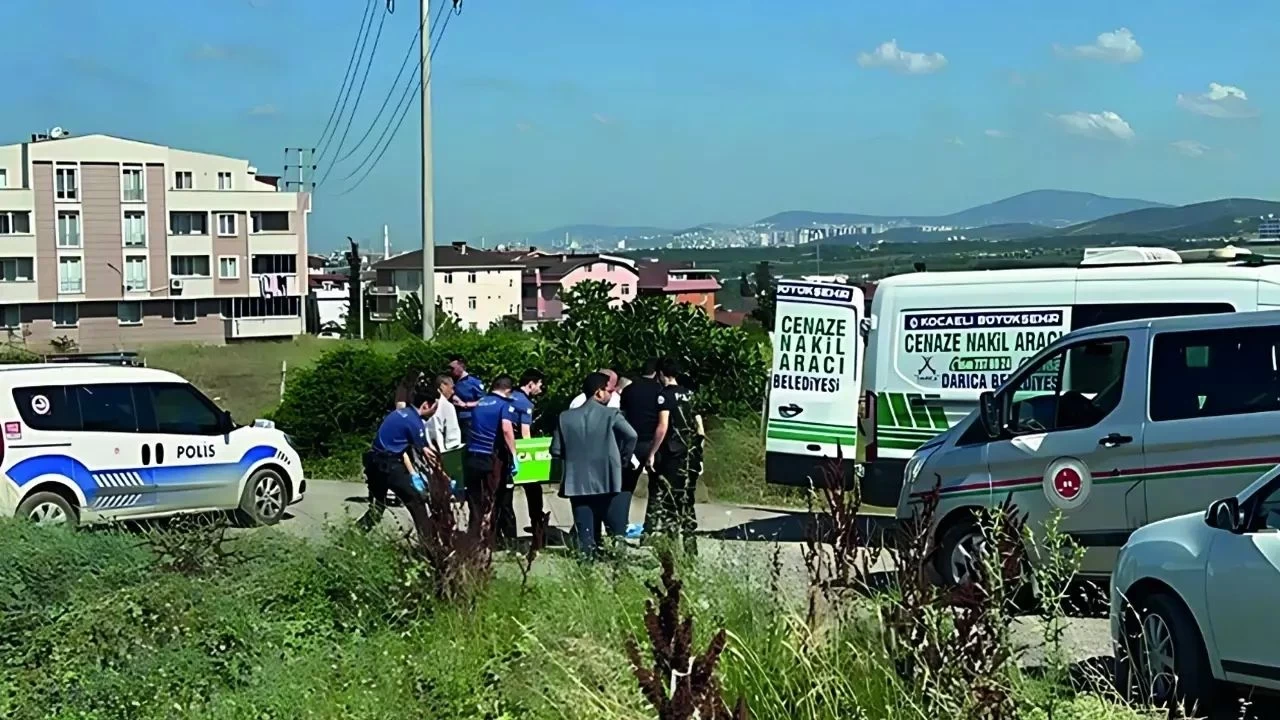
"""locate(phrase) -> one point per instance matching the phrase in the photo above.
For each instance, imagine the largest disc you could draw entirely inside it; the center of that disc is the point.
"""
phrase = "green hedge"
(334, 407)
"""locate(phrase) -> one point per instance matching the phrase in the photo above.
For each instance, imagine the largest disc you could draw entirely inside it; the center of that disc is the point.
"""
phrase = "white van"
(816, 381)
(1113, 426)
(84, 443)
(939, 339)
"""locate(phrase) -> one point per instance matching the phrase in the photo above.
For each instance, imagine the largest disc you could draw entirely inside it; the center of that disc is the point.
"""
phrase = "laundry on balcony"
(273, 285)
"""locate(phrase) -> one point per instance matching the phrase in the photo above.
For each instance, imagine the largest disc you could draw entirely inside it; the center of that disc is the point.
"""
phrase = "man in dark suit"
(593, 442)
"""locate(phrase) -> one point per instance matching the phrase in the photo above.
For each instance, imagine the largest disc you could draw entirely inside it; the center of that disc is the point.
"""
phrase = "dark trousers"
(483, 490)
(533, 498)
(672, 495)
(590, 512)
(385, 472)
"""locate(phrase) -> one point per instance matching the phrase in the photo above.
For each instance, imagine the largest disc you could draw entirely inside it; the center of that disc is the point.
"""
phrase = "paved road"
(731, 531)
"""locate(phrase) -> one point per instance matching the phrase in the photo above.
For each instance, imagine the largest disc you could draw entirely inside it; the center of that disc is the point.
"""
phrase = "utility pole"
(303, 167)
(428, 203)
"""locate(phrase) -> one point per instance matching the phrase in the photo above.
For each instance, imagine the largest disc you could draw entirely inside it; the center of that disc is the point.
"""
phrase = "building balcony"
(262, 327)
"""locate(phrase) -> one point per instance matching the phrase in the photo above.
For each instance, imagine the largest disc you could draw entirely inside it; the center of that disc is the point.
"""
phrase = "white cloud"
(1105, 125)
(602, 118)
(524, 127)
(1222, 101)
(889, 55)
(997, 134)
(267, 109)
(1118, 46)
(1190, 148)
(955, 141)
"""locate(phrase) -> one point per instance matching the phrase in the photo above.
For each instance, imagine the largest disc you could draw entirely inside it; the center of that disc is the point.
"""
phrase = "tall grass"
(95, 625)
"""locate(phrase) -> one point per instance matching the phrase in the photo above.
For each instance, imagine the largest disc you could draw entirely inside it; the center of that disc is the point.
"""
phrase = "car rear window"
(51, 407)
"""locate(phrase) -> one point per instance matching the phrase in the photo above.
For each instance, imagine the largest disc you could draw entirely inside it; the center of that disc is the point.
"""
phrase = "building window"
(135, 273)
(226, 225)
(471, 303)
(129, 313)
(188, 223)
(224, 181)
(135, 228)
(471, 277)
(71, 274)
(67, 183)
(473, 326)
(184, 311)
(66, 315)
(182, 180)
(277, 221)
(258, 307)
(68, 229)
(228, 267)
(189, 266)
(448, 303)
(4, 178)
(17, 269)
(448, 278)
(511, 282)
(511, 309)
(226, 309)
(268, 264)
(626, 289)
(10, 317)
(15, 223)
(132, 185)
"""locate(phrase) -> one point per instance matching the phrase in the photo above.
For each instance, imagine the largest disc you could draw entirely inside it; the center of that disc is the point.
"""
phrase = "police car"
(86, 443)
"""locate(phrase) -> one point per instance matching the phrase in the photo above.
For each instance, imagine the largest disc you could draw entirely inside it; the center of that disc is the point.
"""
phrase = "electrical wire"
(360, 93)
(348, 75)
(413, 45)
(412, 88)
(342, 108)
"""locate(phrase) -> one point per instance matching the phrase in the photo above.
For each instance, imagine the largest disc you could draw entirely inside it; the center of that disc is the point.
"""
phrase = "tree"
(354, 290)
(765, 301)
(744, 286)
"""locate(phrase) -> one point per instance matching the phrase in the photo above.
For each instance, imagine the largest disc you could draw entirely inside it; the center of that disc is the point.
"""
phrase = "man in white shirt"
(443, 431)
(615, 399)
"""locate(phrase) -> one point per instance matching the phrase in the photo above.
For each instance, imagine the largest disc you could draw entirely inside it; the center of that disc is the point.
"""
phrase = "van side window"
(178, 409)
(107, 408)
(1075, 388)
(1212, 373)
(1083, 316)
(48, 408)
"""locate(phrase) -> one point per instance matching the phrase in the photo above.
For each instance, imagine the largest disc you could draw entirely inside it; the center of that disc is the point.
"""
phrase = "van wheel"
(957, 551)
(47, 508)
(1162, 659)
(265, 497)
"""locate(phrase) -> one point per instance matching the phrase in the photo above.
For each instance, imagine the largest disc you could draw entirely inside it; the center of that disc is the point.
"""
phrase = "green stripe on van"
(901, 410)
(810, 437)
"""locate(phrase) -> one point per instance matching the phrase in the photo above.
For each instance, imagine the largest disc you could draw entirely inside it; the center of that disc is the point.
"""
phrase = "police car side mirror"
(989, 415)
(1224, 515)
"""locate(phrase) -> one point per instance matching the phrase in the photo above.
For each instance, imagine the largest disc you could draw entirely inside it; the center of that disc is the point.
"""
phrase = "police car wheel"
(265, 498)
(958, 550)
(46, 508)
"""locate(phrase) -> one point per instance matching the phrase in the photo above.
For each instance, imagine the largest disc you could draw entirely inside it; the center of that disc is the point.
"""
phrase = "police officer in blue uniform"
(391, 463)
(522, 399)
(467, 392)
(490, 462)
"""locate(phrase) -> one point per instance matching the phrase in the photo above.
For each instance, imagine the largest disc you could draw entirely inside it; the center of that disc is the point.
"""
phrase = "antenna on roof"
(58, 132)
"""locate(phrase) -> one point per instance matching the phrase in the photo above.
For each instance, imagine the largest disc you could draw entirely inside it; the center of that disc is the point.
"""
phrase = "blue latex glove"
(515, 466)
(635, 530)
(418, 483)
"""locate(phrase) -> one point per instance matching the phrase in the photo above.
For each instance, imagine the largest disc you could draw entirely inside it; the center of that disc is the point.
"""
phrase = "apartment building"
(111, 243)
(480, 288)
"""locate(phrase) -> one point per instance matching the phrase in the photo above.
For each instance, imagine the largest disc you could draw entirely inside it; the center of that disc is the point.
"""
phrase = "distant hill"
(1206, 218)
(1010, 231)
(1049, 208)
(587, 234)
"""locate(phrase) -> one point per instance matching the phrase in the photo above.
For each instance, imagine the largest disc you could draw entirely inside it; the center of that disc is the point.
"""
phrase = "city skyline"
(672, 115)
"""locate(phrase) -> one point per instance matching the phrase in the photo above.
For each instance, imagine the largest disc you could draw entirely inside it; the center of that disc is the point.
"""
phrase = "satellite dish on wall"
(58, 133)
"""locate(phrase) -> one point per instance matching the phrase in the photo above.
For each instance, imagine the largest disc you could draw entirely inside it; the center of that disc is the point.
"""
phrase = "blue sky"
(673, 113)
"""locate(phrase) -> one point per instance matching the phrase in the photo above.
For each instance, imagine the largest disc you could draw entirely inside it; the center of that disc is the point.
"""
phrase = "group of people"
(614, 432)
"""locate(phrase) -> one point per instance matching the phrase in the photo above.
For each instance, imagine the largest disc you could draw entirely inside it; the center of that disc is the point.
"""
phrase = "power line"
(412, 88)
(365, 27)
(348, 75)
(413, 45)
(360, 93)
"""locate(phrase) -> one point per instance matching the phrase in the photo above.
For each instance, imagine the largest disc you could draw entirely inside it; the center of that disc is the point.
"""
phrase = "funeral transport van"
(812, 398)
(1109, 428)
(937, 340)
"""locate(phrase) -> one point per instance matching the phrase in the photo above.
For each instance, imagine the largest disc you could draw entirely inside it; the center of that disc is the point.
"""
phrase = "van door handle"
(1114, 440)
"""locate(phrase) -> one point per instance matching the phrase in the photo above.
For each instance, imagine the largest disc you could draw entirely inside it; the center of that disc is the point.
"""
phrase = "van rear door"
(815, 384)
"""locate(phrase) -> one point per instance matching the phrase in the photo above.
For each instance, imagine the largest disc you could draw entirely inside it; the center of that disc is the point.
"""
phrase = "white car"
(1192, 601)
(86, 442)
